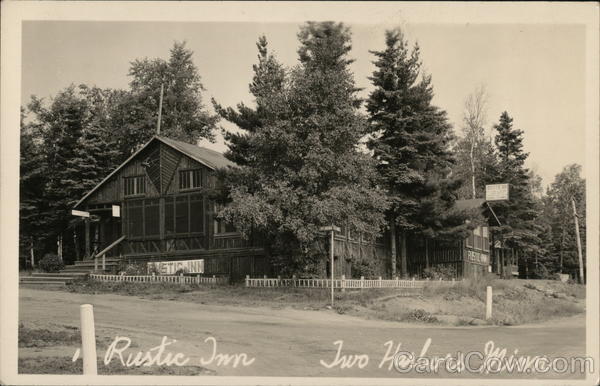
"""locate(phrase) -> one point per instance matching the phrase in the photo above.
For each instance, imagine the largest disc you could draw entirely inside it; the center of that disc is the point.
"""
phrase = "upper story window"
(134, 185)
(190, 179)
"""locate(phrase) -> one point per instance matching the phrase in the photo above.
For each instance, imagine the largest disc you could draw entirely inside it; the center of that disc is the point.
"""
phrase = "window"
(190, 179)
(169, 216)
(477, 234)
(184, 214)
(486, 239)
(221, 226)
(135, 218)
(469, 240)
(134, 185)
(196, 213)
(151, 217)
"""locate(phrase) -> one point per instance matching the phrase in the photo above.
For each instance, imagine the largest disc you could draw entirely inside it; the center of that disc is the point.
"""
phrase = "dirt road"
(286, 342)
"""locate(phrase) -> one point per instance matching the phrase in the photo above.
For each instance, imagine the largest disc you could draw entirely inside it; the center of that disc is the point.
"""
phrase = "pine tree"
(302, 169)
(267, 84)
(70, 148)
(411, 143)
(517, 215)
(32, 185)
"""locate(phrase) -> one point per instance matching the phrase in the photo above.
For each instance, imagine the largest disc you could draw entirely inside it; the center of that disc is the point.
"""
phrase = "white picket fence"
(160, 279)
(342, 283)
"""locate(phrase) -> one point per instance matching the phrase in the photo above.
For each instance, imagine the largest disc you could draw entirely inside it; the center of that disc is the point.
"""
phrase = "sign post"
(333, 229)
(497, 192)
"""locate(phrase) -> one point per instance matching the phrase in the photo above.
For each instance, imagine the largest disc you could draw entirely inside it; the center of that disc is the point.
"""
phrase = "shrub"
(420, 316)
(363, 267)
(440, 272)
(51, 263)
(129, 268)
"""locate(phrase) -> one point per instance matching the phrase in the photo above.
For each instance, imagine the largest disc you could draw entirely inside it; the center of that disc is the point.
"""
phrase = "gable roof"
(209, 158)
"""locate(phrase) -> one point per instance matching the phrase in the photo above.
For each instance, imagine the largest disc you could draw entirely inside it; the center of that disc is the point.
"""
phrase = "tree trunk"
(403, 254)
(426, 253)
(393, 246)
(472, 159)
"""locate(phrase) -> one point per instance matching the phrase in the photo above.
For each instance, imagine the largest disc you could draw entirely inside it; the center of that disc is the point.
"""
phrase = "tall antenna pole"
(159, 109)
(579, 254)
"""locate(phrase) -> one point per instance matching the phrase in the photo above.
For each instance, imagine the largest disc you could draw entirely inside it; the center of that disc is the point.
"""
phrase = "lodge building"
(157, 206)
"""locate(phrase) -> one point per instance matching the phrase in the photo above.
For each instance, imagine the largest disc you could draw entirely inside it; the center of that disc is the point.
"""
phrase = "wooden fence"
(161, 279)
(342, 283)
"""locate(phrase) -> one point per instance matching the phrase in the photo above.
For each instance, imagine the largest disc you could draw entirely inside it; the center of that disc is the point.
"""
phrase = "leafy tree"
(558, 213)
(300, 167)
(183, 115)
(518, 215)
(411, 144)
(475, 153)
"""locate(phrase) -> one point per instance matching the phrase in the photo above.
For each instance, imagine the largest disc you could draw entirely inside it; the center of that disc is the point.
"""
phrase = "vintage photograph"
(325, 197)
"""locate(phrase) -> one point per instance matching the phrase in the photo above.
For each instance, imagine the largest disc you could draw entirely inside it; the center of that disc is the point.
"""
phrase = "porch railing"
(103, 252)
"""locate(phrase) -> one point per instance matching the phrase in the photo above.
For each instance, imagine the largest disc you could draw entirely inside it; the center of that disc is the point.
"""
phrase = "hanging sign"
(80, 213)
(496, 192)
(116, 211)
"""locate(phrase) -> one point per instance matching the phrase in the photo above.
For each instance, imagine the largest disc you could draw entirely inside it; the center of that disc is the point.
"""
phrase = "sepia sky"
(535, 72)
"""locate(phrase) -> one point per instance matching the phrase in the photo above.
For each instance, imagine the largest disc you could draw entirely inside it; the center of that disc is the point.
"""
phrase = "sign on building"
(171, 267)
(116, 211)
(496, 192)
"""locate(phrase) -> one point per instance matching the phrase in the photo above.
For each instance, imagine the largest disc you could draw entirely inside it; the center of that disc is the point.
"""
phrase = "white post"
(104, 263)
(362, 282)
(488, 303)
(32, 257)
(247, 280)
(278, 280)
(88, 339)
(379, 282)
(343, 283)
(95, 264)
(332, 267)
(294, 279)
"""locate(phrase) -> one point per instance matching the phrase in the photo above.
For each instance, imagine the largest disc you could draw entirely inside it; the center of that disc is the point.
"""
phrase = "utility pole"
(581, 278)
(159, 109)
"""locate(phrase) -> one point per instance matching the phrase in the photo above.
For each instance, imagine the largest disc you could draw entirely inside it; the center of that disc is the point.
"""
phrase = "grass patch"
(41, 337)
(65, 365)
